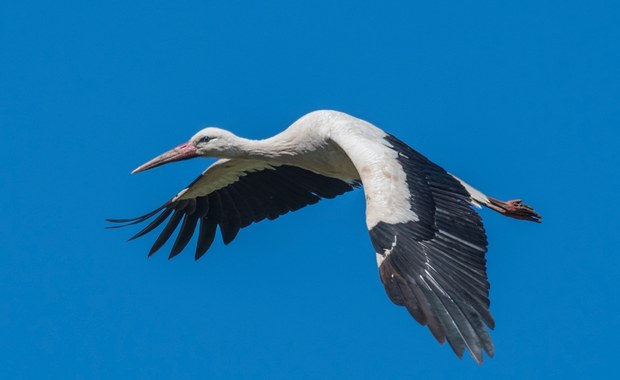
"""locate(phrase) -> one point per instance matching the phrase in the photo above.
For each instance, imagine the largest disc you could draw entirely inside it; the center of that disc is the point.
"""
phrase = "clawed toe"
(515, 209)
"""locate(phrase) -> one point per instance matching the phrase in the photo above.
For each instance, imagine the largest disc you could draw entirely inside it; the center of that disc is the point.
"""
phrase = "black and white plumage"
(430, 244)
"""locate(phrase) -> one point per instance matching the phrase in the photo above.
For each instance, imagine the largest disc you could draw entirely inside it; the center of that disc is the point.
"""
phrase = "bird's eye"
(205, 139)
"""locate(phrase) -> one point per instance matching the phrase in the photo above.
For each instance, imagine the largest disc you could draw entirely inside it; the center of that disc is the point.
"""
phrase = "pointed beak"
(180, 153)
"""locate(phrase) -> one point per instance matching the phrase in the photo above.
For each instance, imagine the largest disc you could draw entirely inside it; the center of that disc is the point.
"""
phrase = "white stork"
(430, 244)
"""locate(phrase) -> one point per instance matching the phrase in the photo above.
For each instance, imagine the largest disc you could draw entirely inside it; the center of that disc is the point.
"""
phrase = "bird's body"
(429, 242)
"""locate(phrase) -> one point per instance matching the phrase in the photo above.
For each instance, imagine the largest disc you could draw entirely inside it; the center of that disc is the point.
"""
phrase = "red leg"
(515, 209)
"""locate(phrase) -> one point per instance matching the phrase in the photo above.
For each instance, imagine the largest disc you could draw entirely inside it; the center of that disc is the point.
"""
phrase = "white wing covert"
(430, 243)
(233, 194)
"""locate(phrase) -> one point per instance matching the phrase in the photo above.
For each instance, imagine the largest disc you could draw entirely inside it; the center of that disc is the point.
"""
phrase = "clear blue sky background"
(521, 99)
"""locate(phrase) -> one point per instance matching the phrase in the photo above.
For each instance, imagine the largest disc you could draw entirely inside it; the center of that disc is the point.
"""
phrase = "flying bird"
(430, 243)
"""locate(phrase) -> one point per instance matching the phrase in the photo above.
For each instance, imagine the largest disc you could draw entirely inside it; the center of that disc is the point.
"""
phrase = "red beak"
(180, 153)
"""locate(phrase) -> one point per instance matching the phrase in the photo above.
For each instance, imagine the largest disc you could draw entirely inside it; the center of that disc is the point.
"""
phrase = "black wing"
(436, 266)
(233, 194)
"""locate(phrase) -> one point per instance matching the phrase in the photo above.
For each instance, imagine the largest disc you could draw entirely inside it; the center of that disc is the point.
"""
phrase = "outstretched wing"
(430, 243)
(233, 194)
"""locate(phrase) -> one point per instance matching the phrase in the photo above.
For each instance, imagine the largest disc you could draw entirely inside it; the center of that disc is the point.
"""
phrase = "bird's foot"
(515, 209)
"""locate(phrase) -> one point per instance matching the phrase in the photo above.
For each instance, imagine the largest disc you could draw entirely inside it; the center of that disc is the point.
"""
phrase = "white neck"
(310, 133)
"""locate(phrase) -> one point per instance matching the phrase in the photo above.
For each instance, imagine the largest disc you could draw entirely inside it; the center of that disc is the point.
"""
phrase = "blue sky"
(521, 99)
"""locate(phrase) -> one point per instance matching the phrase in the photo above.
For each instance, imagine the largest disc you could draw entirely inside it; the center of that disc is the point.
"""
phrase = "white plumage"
(430, 244)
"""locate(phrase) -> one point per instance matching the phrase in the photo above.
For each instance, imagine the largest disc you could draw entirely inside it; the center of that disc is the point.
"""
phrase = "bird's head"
(209, 142)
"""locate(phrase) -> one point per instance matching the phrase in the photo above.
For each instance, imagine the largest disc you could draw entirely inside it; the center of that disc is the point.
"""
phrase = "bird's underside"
(430, 252)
